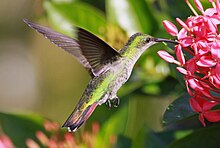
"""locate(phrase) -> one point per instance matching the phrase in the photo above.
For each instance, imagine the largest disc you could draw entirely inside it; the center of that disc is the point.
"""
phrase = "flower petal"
(195, 105)
(5, 142)
(170, 28)
(42, 138)
(166, 56)
(206, 61)
(32, 144)
(215, 50)
(218, 6)
(181, 23)
(201, 119)
(191, 93)
(187, 41)
(191, 65)
(211, 26)
(199, 5)
(193, 83)
(213, 116)
(182, 34)
(210, 11)
(217, 70)
(181, 70)
(208, 105)
(179, 54)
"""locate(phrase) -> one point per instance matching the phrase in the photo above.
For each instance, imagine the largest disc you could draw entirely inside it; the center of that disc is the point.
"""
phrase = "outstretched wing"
(97, 52)
(92, 52)
(70, 45)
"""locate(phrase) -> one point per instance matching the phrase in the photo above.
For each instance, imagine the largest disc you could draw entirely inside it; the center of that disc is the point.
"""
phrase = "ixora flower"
(56, 138)
(5, 142)
(199, 37)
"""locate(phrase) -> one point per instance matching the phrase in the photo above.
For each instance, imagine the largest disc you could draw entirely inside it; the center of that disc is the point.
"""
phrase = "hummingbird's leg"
(108, 103)
(116, 101)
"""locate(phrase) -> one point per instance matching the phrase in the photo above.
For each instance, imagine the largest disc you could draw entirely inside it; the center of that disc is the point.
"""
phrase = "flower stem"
(213, 4)
(191, 7)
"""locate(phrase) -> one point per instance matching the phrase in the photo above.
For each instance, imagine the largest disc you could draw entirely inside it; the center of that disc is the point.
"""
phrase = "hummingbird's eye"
(147, 40)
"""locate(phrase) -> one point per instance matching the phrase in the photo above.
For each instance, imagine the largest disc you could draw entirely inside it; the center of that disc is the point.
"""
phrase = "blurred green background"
(36, 76)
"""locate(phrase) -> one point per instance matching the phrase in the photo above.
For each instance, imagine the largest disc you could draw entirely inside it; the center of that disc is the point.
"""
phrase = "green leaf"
(178, 76)
(147, 138)
(133, 16)
(100, 4)
(129, 87)
(123, 141)
(64, 16)
(144, 15)
(177, 111)
(202, 138)
(119, 12)
(19, 127)
(116, 125)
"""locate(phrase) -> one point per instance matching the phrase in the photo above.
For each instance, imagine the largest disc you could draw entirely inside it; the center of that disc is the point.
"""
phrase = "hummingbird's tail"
(79, 116)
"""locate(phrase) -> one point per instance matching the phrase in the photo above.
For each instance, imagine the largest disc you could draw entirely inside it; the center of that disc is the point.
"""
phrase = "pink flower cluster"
(5, 142)
(58, 139)
(199, 39)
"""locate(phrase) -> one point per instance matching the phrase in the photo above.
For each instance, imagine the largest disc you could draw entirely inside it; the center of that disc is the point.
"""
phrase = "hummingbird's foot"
(116, 101)
(108, 103)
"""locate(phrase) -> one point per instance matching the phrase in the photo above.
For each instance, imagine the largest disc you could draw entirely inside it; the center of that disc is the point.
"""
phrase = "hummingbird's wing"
(92, 52)
(98, 53)
(70, 45)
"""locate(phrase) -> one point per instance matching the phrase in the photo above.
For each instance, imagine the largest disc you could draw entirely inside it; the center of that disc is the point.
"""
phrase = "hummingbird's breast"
(122, 72)
(106, 85)
(98, 88)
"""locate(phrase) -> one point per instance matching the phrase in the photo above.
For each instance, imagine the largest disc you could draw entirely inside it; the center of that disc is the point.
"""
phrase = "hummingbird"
(109, 68)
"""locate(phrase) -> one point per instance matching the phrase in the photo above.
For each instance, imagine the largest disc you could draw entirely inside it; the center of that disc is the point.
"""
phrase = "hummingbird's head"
(144, 41)
(138, 43)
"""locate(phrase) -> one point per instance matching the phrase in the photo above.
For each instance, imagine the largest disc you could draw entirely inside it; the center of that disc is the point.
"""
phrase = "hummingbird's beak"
(165, 40)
